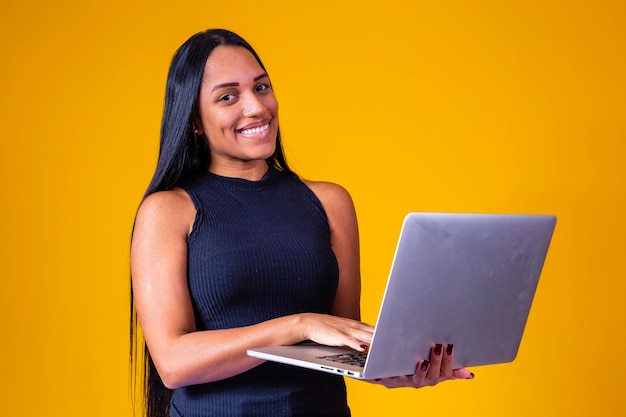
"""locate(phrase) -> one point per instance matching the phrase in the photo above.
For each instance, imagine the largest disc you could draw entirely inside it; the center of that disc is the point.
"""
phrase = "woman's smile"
(255, 130)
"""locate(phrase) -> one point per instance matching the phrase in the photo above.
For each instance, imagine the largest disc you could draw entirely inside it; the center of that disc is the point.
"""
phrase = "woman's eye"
(227, 97)
(262, 87)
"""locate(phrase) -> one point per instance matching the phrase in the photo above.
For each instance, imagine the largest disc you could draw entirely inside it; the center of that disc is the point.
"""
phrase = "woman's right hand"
(336, 331)
(429, 372)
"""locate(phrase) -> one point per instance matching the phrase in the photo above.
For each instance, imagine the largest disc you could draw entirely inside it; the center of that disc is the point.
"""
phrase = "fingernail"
(425, 365)
(471, 376)
(437, 349)
(364, 347)
(449, 349)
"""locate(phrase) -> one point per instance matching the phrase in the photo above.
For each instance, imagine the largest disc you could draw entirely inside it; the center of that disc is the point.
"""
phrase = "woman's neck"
(249, 170)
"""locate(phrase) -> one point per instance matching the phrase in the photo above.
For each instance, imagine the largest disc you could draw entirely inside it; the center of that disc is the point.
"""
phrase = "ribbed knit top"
(259, 250)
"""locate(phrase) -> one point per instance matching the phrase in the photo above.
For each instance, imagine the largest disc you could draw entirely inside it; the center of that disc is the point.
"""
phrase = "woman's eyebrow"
(218, 86)
(236, 84)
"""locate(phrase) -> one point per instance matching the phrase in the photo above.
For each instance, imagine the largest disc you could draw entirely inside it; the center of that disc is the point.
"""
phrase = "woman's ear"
(197, 128)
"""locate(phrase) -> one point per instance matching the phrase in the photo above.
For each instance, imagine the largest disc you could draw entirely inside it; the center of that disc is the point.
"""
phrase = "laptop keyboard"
(354, 359)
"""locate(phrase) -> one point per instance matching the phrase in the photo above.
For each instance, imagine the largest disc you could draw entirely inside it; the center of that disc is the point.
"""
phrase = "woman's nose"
(252, 106)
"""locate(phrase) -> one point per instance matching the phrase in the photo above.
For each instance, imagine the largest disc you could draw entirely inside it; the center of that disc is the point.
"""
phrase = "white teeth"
(255, 130)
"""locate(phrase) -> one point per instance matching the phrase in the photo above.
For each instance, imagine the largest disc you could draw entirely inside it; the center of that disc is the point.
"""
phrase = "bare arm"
(344, 236)
(182, 355)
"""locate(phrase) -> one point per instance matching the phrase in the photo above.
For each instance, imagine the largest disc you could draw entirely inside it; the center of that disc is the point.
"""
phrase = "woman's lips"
(254, 130)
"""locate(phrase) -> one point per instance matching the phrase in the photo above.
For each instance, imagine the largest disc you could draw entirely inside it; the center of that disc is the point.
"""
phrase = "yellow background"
(484, 106)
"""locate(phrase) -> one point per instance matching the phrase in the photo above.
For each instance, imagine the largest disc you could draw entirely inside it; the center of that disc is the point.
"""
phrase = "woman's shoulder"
(172, 207)
(174, 198)
(324, 189)
(334, 197)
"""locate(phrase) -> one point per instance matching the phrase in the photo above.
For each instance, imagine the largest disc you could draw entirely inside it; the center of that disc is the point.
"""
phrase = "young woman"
(231, 250)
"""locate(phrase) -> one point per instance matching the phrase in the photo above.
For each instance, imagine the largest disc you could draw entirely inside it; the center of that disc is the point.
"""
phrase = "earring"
(194, 129)
(195, 137)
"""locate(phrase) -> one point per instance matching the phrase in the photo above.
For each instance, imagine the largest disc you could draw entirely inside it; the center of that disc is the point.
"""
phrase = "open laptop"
(462, 279)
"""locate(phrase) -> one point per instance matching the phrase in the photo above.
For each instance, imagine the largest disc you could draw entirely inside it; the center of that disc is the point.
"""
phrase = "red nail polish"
(425, 365)
(437, 349)
(449, 349)
(364, 347)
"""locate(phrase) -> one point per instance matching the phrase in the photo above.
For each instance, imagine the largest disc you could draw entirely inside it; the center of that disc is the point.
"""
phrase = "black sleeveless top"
(259, 250)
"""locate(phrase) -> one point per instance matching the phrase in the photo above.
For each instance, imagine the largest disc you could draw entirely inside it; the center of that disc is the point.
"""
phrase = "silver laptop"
(462, 279)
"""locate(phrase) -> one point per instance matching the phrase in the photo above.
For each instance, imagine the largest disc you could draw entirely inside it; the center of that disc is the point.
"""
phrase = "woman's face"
(238, 110)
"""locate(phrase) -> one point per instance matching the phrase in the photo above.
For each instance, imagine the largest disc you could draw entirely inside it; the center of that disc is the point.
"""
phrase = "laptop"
(462, 279)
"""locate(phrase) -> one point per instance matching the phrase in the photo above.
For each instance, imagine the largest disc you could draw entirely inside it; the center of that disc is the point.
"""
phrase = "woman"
(231, 250)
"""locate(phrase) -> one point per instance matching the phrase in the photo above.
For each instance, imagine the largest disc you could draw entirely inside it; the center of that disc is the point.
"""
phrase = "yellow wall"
(484, 106)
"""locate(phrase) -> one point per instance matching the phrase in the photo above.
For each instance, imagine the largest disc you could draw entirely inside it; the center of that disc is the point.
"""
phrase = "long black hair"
(182, 153)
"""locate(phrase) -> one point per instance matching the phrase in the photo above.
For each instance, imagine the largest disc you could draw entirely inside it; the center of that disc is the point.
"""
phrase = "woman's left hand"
(429, 372)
